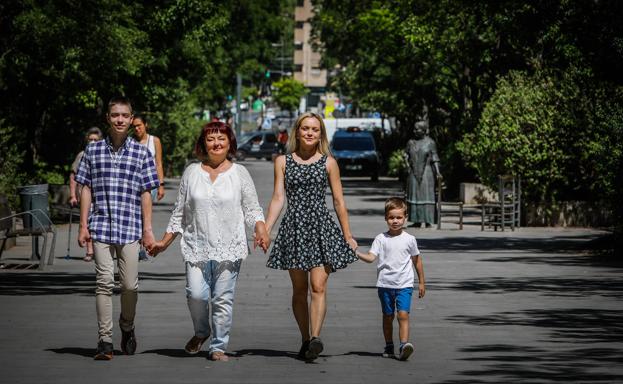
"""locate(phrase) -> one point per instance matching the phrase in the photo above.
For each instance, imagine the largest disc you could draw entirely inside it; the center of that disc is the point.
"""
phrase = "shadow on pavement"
(362, 353)
(573, 325)
(571, 251)
(84, 352)
(512, 363)
(264, 352)
(547, 286)
(551, 244)
(176, 352)
(366, 212)
(34, 284)
(568, 361)
(365, 187)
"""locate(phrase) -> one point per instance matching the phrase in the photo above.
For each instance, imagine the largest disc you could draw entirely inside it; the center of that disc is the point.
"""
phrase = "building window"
(300, 3)
(298, 67)
(299, 24)
(298, 45)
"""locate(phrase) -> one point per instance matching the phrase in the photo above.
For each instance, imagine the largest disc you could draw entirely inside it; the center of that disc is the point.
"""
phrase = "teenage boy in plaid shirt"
(115, 212)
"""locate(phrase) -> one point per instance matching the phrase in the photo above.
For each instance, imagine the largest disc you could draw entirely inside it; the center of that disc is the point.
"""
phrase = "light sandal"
(219, 356)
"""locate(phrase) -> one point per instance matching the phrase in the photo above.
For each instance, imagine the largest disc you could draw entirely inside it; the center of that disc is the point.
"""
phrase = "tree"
(517, 135)
(61, 61)
(450, 56)
(288, 93)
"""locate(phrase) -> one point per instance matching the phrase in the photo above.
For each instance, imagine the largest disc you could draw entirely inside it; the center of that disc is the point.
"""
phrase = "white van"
(363, 123)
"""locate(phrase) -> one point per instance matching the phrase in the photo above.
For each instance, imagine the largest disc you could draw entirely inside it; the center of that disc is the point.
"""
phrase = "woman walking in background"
(155, 147)
(93, 134)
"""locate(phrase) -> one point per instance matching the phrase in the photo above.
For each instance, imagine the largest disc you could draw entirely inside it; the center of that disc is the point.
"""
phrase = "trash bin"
(35, 197)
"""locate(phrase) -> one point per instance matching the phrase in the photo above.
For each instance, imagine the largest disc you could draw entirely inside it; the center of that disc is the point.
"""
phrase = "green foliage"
(517, 135)
(288, 92)
(397, 164)
(564, 138)
(11, 160)
(462, 58)
(49, 175)
(593, 136)
(61, 61)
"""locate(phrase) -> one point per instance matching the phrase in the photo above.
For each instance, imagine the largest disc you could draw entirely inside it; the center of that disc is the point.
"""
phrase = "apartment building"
(307, 62)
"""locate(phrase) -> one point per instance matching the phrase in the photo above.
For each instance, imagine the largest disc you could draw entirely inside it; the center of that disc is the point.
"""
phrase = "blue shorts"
(395, 299)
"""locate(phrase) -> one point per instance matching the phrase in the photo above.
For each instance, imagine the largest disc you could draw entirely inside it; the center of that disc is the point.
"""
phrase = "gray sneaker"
(405, 352)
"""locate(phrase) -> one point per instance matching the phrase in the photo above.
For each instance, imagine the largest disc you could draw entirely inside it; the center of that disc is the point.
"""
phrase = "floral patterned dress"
(308, 236)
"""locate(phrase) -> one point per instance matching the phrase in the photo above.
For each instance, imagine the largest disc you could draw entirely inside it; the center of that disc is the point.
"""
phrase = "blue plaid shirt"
(117, 180)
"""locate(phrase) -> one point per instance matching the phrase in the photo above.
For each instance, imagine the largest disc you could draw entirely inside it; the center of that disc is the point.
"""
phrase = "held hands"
(148, 239)
(156, 248)
(261, 237)
(352, 242)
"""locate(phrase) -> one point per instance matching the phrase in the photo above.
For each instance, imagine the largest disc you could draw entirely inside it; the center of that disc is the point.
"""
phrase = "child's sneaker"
(405, 351)
(389, 351)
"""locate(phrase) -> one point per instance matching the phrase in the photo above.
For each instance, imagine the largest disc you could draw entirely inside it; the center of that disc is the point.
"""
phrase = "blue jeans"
(210, 287)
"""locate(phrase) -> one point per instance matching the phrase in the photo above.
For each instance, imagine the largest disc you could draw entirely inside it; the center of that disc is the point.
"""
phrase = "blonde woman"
(309, 244)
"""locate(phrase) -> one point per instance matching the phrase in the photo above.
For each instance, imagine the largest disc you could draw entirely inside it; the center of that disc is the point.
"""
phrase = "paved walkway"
(524, 306)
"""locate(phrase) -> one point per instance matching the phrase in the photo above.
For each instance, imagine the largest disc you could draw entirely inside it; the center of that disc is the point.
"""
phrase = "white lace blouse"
(211, 215)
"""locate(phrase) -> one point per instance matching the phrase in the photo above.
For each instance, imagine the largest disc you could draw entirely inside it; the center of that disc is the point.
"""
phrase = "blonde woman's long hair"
(293, 142)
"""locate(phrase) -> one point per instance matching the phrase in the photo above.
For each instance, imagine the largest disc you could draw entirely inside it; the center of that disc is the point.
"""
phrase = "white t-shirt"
(394, 268)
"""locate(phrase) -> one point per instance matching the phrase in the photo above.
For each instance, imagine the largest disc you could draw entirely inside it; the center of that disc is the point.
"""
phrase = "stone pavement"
(528, 306)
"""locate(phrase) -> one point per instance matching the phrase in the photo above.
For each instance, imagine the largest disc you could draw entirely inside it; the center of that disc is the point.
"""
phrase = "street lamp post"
(238, 101)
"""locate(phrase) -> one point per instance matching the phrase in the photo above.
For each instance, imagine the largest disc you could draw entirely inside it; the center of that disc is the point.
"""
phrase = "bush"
(397, 165)
(517, 135)
(11, 161)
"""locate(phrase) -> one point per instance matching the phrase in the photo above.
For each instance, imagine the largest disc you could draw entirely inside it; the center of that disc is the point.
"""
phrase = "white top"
(394, 268)
(151, 146)
(211, 215)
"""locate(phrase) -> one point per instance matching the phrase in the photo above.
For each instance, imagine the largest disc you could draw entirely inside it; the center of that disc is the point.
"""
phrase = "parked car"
(258, 144)
(355, 152)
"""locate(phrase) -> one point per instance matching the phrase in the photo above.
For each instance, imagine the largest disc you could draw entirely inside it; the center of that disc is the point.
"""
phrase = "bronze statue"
(423, 162)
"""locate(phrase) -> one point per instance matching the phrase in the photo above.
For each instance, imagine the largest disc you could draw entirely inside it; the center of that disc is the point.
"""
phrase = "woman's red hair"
(215, 127)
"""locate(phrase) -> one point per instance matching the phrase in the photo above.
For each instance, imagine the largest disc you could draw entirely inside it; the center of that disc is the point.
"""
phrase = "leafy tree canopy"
(288, 92)
(61, 60)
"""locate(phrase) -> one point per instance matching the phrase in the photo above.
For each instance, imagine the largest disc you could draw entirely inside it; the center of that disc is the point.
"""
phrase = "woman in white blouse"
(216, 198)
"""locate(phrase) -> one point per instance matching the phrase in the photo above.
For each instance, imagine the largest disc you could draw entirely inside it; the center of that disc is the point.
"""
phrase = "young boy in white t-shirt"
(397, 252)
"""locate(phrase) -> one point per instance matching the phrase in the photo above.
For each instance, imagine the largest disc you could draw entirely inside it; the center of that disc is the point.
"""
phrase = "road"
(528, 306)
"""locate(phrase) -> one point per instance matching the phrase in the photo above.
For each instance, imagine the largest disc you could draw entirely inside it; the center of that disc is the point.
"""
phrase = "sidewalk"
(528, 306)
